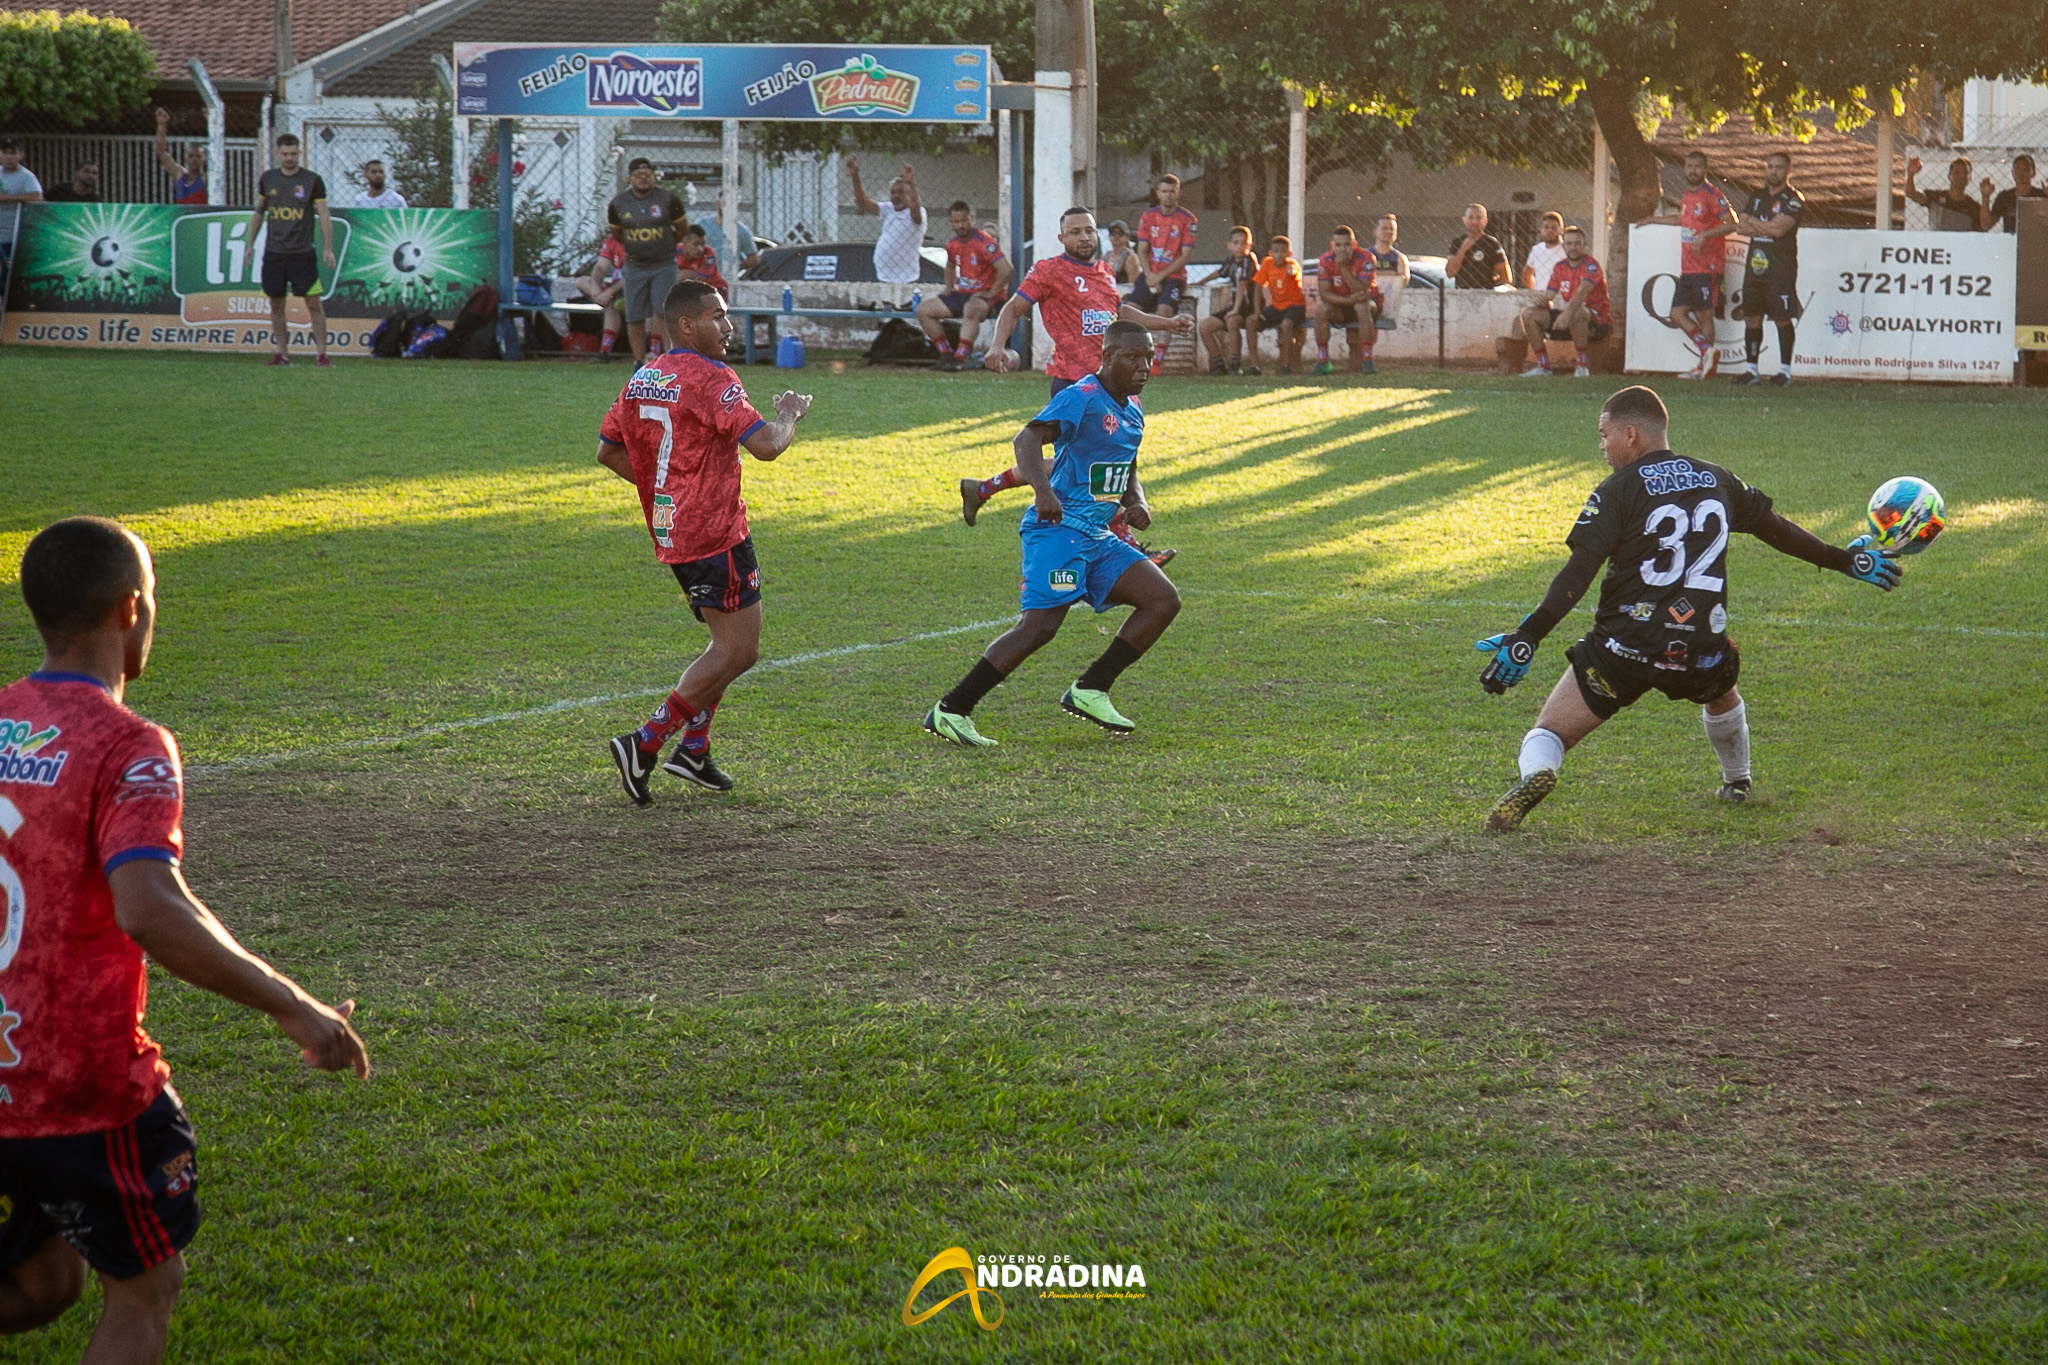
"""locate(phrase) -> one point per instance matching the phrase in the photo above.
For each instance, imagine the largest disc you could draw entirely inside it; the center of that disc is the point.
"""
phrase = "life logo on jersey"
(25, 755)
(1095, 321)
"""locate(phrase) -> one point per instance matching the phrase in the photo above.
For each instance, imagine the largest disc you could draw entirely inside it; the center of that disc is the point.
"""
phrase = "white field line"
(567, 704)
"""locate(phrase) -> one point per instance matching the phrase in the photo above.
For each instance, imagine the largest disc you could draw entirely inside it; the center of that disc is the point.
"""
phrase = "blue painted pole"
(508, 332)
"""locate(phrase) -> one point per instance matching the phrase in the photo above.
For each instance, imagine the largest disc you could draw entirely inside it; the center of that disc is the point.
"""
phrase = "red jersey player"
(1166, 236)
(675, 434)
(1077, 299)
(1705, 217)
(97, 1159)
(695, 255)
(1573, 308)
(977, 277)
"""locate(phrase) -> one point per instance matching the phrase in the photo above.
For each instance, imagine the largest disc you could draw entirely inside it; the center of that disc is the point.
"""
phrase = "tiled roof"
(237, 38)
(1836, 173)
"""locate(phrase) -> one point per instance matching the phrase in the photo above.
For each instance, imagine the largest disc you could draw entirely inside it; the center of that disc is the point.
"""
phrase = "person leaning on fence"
(18, 184)
(1546, 253)
(288, 198)
(188, 177)
(977, 280)
(1952, 209)
(376, 192)
(648, 222)
(2002, 214)
(1279, 275)
(1574, 307)
(1221, 330)
(897, 260)
(83, 189)
(1476, 259)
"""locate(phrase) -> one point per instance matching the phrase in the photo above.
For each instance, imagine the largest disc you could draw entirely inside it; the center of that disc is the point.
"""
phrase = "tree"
(75, 68)
(421, 164)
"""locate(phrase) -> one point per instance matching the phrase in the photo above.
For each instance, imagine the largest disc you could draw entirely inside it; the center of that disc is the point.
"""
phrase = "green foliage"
(75, 68)
(423, 147)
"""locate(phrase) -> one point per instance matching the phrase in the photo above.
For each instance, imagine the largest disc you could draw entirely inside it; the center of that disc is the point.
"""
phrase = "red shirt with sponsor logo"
(85, 786)
(1703, 207)
(1164, 236)
(681, 419)
(613, 250)
(1077, 300)
(1348, 282)
(1569, 279)
(974, 261)
(705, 267)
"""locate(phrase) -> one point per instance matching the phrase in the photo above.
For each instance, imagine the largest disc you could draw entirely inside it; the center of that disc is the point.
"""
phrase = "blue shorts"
(1062, 566)
(1165, 299)
(1701, 291)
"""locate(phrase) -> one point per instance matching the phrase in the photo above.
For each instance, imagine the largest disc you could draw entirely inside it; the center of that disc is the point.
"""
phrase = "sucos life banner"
(1878, 305)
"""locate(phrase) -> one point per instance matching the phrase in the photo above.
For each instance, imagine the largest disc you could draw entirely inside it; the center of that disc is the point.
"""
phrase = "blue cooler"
(789, 353)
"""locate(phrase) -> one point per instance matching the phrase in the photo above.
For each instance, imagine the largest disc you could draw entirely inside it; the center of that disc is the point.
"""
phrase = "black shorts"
(956, 303)
(1595, 331)
(127, 1198)
(1608, 682)
(1697, 291)
(1164, 299)
(1295, 313)
(1771, 296)
(1059, 384)
(727, 581)
(1344, 313)
(299, 271)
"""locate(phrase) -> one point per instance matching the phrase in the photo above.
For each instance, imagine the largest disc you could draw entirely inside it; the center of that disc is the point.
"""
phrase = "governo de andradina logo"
(1053, 1277)
(952, 1258)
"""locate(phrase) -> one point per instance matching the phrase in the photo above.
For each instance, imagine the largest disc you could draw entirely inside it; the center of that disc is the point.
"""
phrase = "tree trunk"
(1613, 99)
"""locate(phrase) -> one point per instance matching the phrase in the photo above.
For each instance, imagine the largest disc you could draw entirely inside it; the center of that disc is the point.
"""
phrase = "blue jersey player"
(1070, 553)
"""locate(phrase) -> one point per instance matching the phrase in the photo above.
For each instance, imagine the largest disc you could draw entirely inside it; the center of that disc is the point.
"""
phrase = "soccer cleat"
(1216, 365)
(1536, 372)
(1367, 367)
(956, 729)
(1779, 380)
(1508, 812)
(1096, 706)
(1326, 367)
(635, 766)
(323, 363)
(697, 768)
(1736, 791)
(1236, 367)
(1747, 377)
(1581, 372)
(1253, 370)
(949, 362)
(970, 500)
(1160, 557)
(278, 358)
(1710, 363)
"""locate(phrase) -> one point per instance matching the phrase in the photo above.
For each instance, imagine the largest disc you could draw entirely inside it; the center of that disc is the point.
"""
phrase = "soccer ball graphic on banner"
(1905, 516)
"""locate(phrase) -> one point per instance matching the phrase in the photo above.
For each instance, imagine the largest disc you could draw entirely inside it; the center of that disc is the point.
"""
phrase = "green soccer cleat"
(1326, 367)
(956, 729)
(1367, 367)
(1096, 706)
(1509, 812)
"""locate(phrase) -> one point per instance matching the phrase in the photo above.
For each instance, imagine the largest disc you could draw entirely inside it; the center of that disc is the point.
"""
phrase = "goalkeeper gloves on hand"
(1872, 566)
(1512, 655)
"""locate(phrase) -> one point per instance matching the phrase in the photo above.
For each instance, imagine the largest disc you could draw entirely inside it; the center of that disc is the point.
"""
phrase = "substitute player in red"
(675, 434)
(1166, 236)
(98, 1163)
(1705, 218)
(977, 277)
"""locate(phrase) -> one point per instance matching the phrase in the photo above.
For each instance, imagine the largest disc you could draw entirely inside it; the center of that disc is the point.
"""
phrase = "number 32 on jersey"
(1670, 524)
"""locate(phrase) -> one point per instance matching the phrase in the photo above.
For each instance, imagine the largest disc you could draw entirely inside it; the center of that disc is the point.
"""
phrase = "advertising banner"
(1878, 305)
(175, 277)
(878, 82)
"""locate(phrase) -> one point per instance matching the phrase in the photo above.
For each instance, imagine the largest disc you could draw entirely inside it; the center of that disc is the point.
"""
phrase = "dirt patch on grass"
(1739, 1017)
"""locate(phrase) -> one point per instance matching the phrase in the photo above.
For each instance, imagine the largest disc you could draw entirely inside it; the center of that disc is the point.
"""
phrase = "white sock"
(1729, 734)
(1541, 750)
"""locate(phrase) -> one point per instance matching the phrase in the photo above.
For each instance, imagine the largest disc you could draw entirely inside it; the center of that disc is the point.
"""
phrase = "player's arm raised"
(1029, 448)
(155, 907)
(770, 439)
(1513, 651)
(1000, 357)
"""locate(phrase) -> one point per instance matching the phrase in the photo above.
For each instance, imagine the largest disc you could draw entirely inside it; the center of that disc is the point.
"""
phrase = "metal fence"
(1987, 163)
(129, 173)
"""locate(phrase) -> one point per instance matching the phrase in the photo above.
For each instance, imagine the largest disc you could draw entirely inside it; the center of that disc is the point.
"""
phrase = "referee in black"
(1770, 279)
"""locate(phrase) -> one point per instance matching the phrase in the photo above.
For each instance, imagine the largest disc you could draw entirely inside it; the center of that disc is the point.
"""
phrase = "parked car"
(841, 262)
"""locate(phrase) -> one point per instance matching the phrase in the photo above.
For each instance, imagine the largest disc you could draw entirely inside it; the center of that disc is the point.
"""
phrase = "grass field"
(1243, 999)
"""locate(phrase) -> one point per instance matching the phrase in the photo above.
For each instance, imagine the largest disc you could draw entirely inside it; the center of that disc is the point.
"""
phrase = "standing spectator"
(188, 178)
(903, 225)
(2003, 213)
(1705, 217)
(1344, 283)
(1548, 251)
(1574, 307)
(1477, 260)
(1237, 316)
(602, 284)
(1770, 285)
(1279, 275)
(1386, 259)
(18, 184)
(1952, 209)
(376, 194)
(287, 198)
(694, 255)
(83, 189)
(748, 248)
(977, 280)
(1122, 258)
(649, 224)
(1166, 238)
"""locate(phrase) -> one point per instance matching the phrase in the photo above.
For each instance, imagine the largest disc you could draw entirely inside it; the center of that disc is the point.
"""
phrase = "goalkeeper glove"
(1872, 566)
(1512, 655)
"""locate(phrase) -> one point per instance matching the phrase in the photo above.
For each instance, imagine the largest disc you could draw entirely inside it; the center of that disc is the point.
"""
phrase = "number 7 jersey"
(1662, 524)
(681, 419)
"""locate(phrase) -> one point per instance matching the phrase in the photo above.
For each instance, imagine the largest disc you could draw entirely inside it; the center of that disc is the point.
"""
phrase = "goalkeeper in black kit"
(1660, 523)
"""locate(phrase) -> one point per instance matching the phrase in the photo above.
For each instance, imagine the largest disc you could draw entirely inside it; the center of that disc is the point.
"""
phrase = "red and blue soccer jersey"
(1346, 284)
(85, 786)
(1165, 236)
(1702, 208)
(681, 419)
(1569, 279)
(705, 268)
(974, 261)
(1077, 300)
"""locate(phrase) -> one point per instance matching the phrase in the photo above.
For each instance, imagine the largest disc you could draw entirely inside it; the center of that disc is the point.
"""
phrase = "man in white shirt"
(896, 249)
(18, 184)
(375, 193)
(1546, 253)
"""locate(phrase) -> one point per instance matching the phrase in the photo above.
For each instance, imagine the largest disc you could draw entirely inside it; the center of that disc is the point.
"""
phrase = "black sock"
(1785, 344)
(979, 682)
(1102, 674)
(1752, 345)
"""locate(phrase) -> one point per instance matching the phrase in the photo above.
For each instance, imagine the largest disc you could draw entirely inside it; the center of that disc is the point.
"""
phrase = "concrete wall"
(1472, 318)
(836, 334)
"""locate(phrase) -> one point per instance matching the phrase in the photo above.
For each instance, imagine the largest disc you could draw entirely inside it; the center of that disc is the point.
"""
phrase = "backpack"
(425, 339)
(541, 334)
(899, 342)
(388, 340)
(479, 313)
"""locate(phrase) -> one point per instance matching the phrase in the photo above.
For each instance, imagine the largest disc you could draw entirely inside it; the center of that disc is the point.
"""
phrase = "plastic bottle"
(788, 299)
(916, 297)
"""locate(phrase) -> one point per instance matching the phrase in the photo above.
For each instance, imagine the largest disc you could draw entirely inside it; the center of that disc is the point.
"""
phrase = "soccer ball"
(1905, 516)
(405, 258)
(107, 253)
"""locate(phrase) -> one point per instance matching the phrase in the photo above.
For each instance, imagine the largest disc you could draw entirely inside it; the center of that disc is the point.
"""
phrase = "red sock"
(1579, 359)
(1365, 353)
(611, 339)
(668, 718)
(697, 733)
(1007, 479)
(1120, 527)
(1543, 358)
(964, 350)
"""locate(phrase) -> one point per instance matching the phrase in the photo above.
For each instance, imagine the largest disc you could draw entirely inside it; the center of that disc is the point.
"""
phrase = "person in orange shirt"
(1286, 305)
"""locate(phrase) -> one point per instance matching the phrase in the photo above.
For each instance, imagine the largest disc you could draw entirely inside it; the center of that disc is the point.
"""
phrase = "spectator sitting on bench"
(1344, 286)
(1286, 304)
(1574, 308)
(694, 254)
(601, 285)
(1237, 315)
(977, 279)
